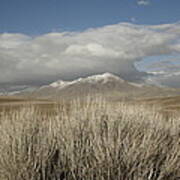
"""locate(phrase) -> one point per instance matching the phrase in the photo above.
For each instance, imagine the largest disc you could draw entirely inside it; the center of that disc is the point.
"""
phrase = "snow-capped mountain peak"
(99, 78)
(104, 77)
(59, 83)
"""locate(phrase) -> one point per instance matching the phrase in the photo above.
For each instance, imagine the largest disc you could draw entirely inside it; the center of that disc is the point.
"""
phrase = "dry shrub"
(89, 139)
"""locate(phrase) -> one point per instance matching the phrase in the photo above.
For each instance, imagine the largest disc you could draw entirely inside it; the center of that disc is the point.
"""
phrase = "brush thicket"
(89, 139)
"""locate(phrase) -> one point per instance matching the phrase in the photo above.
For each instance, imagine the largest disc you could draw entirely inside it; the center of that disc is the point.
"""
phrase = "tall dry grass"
(89, 140)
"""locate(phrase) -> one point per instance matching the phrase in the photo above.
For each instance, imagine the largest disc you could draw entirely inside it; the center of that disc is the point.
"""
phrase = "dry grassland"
(89, 139)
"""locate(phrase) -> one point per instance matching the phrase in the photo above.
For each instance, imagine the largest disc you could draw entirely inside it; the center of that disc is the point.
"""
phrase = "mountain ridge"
(106, 84)
(99, 78)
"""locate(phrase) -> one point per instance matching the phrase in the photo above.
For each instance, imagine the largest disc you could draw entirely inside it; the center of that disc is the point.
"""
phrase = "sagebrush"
(89, 139)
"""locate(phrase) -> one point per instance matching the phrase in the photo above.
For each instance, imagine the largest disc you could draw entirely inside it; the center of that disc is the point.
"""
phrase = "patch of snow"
(103, 78)
(100, 78)
(59, 83)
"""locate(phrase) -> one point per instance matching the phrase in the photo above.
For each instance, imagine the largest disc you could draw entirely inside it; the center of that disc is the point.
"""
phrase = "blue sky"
(35, 17)
(45, 40)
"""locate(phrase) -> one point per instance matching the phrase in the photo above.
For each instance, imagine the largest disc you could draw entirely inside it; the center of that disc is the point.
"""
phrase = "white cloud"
(68, 55)
(91, 49)
(143, 2)
(133, 19)
(165, 70)
(10, 41)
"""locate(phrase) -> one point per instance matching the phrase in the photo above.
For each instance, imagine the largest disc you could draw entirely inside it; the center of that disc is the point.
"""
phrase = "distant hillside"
(106, 84)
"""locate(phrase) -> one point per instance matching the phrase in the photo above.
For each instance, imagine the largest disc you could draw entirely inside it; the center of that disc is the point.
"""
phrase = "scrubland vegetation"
(89, 139)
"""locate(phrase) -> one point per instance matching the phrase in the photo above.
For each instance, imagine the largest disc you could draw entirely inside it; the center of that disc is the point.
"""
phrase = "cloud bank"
(143, 2)
(166, 71)
(68, 55)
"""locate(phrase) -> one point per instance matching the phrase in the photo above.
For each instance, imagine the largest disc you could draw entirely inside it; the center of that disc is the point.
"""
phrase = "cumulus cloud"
(91, 49)
(143, 2)
(68, 55)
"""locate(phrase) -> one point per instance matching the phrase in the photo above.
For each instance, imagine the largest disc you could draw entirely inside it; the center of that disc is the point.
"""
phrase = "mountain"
(16, 89)
(106, 84)
(101, 83)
